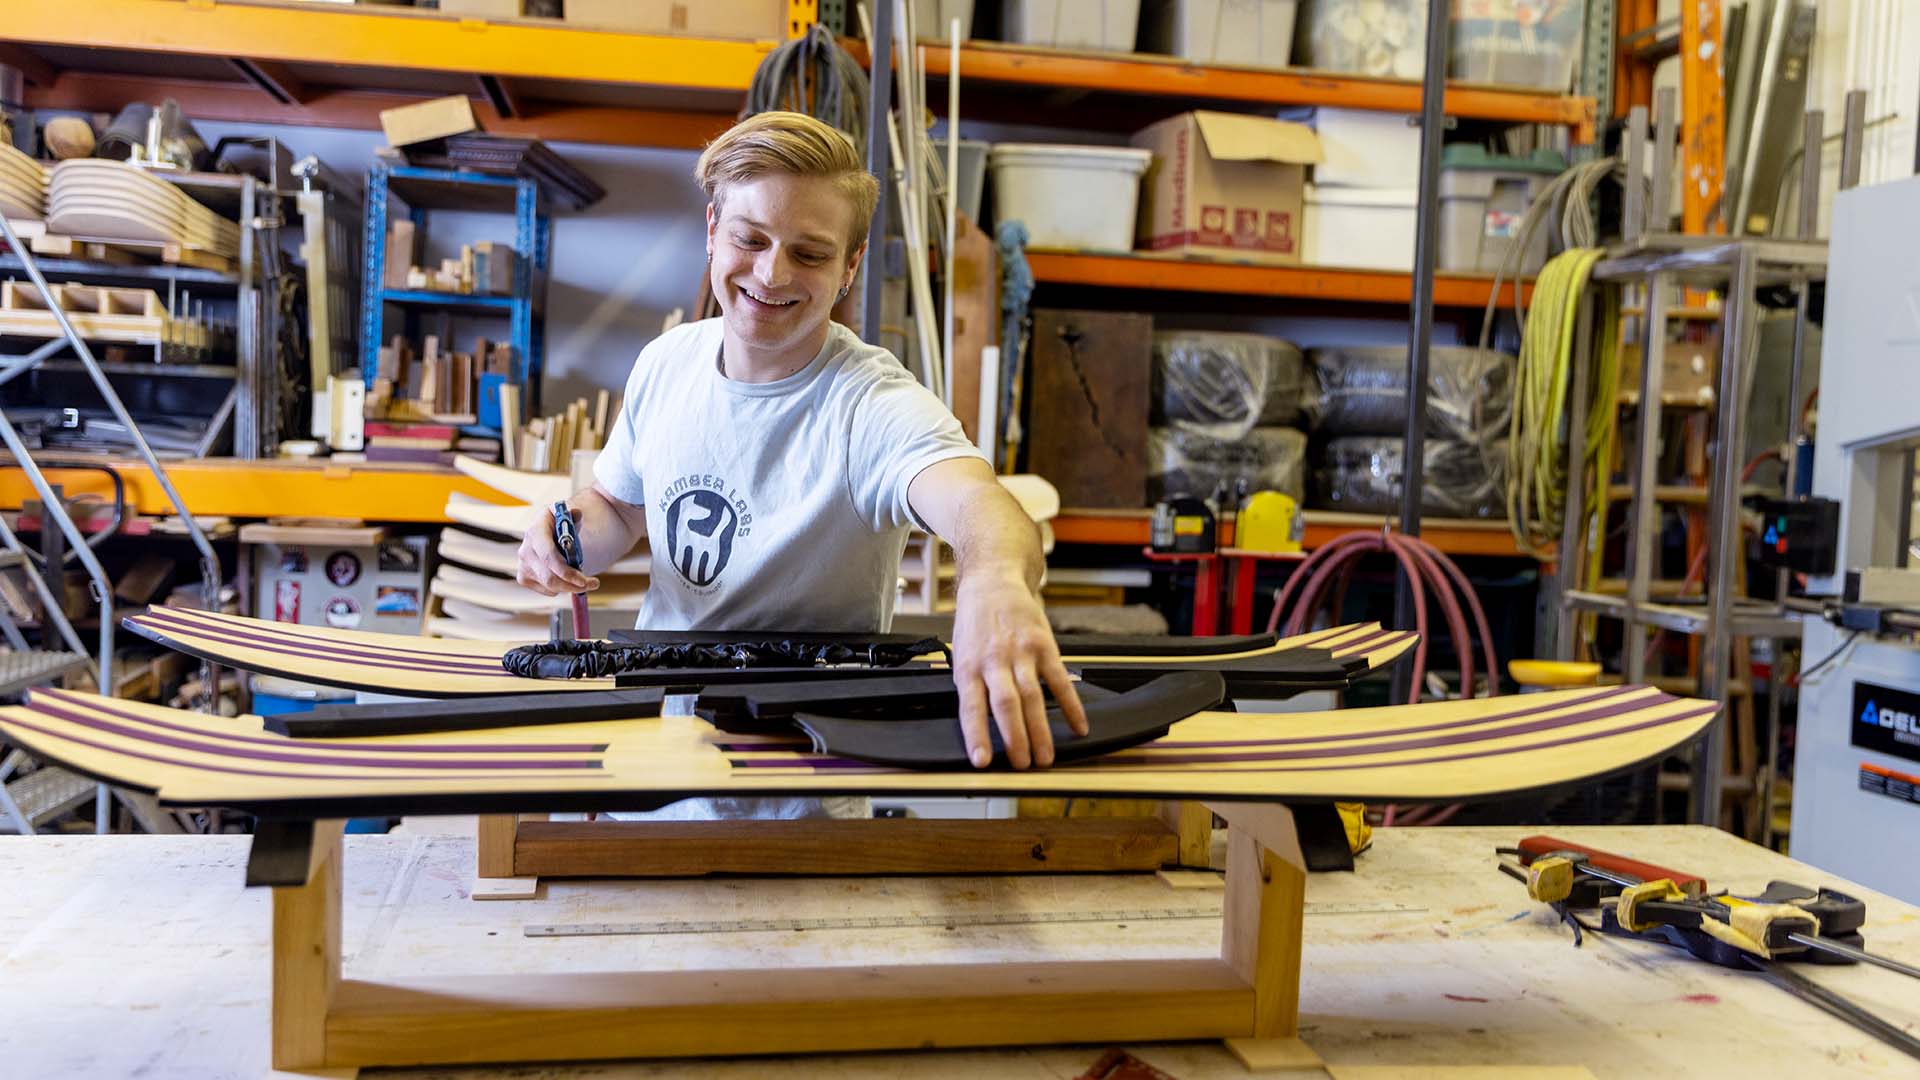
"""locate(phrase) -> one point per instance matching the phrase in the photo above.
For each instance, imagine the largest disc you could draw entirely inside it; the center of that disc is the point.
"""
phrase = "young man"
(776, 461)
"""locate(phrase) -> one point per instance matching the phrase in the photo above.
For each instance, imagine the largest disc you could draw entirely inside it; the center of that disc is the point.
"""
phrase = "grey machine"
(1856, 795)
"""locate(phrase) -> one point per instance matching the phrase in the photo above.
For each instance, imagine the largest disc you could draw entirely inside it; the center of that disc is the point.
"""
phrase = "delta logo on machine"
(1887, 720)
(704, 518)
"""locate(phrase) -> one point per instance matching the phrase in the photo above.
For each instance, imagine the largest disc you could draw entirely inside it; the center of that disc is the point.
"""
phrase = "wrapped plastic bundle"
(1224, 385)
(1363, 391)
(1186, 463)
(1361, 474)
(1367, 37)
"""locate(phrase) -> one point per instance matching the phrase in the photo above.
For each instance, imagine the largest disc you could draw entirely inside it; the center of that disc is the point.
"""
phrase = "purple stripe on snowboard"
(331, 653)
(277, 774)
(1155, 760)
(335, 760)
(1533, 710)
(283, 633)
(99, 704)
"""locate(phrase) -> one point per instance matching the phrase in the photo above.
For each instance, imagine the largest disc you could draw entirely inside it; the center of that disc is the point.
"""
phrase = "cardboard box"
(436, 119)
(1226, 186)
(751, 20)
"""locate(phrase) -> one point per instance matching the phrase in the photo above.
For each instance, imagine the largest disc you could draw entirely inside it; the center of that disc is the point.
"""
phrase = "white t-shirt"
(773, 506)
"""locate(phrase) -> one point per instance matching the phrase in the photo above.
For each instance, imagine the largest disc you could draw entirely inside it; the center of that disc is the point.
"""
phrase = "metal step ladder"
(31, 795)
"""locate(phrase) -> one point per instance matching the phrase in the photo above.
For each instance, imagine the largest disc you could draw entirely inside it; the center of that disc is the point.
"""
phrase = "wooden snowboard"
(1446, 750)
(425, 667)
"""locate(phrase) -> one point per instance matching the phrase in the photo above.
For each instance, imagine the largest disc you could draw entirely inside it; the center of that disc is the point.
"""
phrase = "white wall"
(618, 268)
(1872, 45)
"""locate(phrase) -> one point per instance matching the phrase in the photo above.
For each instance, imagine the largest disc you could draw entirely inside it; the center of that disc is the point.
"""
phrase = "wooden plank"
(686, 1013)
(1090, 383)
(306, 954)
(1261, 938)
(976, 319)
(1193, 824)
(494, 838)
(882, 846)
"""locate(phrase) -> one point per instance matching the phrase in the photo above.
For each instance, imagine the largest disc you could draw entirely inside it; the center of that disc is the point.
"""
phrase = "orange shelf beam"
(1133, 73)
(1130, 528)
(1304, 282)
(224, 487)
(386, 38)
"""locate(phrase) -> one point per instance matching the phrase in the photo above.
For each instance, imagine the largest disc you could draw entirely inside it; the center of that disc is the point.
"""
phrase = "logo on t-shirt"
(701, 526)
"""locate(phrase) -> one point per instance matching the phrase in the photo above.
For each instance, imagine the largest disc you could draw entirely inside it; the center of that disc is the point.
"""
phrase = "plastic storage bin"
(1516, 42)
(1362, 148)
(1483, 200)
(1073, 197)
(973, 173)
(1110, 25)
(1387, 38)
(1365, 228)
(933, 18)
(1235, 33)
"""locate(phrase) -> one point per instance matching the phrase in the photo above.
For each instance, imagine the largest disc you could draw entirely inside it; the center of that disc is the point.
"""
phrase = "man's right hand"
(541, 567)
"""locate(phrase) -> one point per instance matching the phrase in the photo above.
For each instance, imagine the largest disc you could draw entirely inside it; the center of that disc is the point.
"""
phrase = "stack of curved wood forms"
(473, 594)
(111, 200)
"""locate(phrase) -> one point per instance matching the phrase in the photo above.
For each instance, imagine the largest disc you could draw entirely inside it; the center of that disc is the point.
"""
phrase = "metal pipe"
(1665, 140)
(1420, 324)
(1853, 135)
(1811, 129)
(1575, 508)
(1723, 513)
(52, 510)
(1633, 205)
(879, 108)
(209, 562)
(1643, 512)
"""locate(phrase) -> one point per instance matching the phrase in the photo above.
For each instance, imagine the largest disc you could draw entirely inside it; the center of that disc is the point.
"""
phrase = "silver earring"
(844, 290)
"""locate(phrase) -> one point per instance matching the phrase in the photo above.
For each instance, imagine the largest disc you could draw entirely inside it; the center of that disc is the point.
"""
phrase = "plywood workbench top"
(143, 955)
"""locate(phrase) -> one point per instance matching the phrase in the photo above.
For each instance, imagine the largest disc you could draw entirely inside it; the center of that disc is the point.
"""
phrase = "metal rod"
(1643, 512)
(1853, 135)
(1785, 977)
(1665, 141)
(1420, 324)
(1811, 127)
(209, 562)
(1574, 510)
(879, 110)
(1839, 949)
(51, 509)
(48, 602)
(1633, 205)
(1737, 357)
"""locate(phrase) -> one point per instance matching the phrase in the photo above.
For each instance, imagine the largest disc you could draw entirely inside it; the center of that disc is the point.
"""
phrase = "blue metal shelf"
(423, 190)
(436, 298)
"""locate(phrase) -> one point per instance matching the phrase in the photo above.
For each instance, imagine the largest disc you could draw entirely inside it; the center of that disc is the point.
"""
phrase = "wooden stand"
(528, 846)
(1249, 995)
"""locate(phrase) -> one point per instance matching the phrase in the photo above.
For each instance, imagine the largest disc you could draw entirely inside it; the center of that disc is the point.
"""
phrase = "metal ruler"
(888, 922)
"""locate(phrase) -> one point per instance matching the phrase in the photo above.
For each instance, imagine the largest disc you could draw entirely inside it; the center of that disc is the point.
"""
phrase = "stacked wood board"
(928, 576)
(96, 199)
(23, 186)
(474, 595)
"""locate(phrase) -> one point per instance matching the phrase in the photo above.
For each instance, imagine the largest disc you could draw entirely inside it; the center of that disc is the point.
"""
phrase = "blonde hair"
(793, 144)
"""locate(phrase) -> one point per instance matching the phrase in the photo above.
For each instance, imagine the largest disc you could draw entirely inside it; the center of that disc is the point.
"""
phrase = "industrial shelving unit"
(424, 190)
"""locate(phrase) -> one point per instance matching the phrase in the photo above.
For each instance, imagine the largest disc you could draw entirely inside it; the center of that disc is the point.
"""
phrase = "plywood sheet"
(1087, 424)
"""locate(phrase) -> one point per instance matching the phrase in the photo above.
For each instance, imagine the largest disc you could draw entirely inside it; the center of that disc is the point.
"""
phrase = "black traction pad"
(1114, 723)
(338, 721)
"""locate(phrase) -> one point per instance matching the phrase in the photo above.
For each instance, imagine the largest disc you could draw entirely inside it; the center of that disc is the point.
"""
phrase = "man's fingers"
(973, 719)
(1066, 694)
(1033, 708)
(1007, 717)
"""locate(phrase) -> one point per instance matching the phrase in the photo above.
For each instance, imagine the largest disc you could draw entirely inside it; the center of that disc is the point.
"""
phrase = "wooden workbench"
(143, 955)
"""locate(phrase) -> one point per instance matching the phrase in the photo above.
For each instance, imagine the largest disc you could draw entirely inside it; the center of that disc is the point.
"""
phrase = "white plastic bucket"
(1073, 197)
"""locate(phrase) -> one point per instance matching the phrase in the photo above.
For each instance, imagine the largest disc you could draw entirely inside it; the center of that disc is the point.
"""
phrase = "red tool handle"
(1534, 847)
(580, 616)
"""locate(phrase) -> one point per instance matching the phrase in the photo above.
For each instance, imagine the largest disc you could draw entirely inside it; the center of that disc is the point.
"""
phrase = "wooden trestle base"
(530, 846)
(1248, 995)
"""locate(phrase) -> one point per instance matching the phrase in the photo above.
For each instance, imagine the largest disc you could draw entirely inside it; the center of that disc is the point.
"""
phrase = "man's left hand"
(1004, 657)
